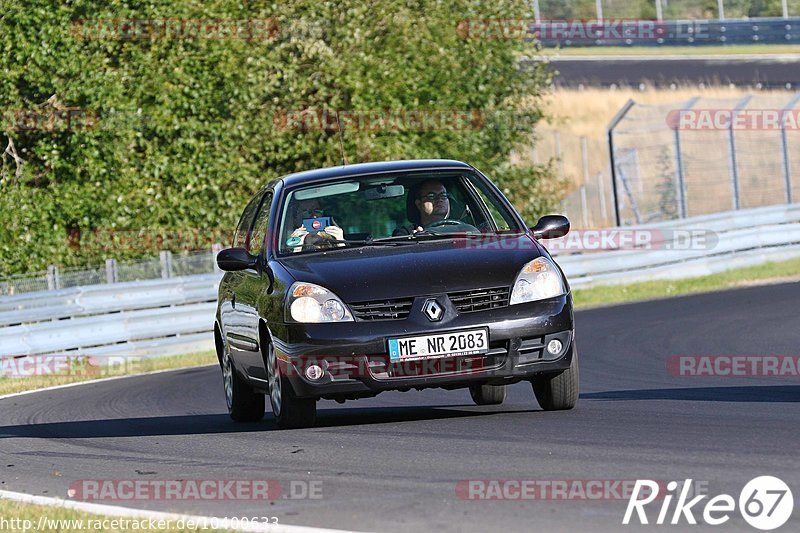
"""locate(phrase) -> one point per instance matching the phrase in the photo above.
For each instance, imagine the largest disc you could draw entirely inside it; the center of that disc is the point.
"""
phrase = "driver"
(433, 204)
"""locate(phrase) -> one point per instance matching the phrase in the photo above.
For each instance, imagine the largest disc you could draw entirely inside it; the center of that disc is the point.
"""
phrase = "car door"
(253, 284)
(232, 315)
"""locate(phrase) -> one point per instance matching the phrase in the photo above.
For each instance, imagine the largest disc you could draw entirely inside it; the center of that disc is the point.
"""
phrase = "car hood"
(422, 268)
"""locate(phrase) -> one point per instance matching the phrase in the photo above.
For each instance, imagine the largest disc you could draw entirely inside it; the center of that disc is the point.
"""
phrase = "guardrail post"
(659, 11)
(787, 169)
(216, 248)
(732, 152)
(166, 264)
(53, 278)
(536, 15)
(785, 6)
(111, 270)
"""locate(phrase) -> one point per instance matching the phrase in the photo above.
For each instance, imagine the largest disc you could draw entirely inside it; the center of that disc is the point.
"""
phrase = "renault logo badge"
(433, 310)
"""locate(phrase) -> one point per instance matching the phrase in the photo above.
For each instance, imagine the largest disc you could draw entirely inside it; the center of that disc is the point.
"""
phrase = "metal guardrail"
(621, 32)
(172, 316)
(744, 238)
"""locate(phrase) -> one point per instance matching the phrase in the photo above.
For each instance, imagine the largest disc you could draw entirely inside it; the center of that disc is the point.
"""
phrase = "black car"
(345, 282)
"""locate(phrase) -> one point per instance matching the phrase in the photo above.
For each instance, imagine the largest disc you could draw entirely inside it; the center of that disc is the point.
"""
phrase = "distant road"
(778, 71)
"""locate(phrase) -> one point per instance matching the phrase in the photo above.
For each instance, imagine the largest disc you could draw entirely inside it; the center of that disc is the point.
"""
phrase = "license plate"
(457, 343)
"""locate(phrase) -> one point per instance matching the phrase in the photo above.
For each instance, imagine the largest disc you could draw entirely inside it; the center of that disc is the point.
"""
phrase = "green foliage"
(178, 133)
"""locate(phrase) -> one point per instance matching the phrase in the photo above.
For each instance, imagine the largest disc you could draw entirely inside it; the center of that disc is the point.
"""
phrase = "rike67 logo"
(765, 503)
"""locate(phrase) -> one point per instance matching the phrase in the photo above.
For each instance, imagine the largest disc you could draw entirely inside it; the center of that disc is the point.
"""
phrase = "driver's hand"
(335, 231)
(417, 230)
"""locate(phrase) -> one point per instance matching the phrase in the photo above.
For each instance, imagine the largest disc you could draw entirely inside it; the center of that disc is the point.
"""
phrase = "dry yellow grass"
(572, 113)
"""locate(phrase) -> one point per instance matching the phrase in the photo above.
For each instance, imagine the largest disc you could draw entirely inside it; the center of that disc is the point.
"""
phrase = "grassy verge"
(9, 385)
(64, 520)
(737, 49)
(648, 290)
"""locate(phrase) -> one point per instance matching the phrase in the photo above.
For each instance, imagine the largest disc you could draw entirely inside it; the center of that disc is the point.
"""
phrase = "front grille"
(480, 299)
(397, 309)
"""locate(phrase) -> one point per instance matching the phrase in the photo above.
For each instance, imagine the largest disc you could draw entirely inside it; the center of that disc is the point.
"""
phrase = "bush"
(169, 134)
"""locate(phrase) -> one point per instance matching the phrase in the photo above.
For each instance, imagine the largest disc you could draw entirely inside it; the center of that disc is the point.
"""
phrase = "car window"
(372, 207)
(241, 237)
(260, 227)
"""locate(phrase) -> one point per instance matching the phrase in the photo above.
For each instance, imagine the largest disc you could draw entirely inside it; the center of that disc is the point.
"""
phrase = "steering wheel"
(449, 222)
(444, 222)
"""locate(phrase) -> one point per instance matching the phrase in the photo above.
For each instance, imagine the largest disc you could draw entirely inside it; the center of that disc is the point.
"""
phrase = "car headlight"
(539, 279)
(311, 303)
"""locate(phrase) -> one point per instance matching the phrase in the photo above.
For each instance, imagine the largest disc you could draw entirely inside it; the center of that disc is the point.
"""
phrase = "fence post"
(610, 133)
(601, 192)
(683, 210)
(557, 140)
(536, 15)
(111, 270)
(166, 264)
(599, 7)
(787, 169)
(216, 248)
(584, 208)
(785, 6)
(53, 279)
(732, 151)
(659, 12)
(721, 9)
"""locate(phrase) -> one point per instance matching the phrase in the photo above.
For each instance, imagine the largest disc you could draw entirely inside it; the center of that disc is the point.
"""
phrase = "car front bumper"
(355, 360)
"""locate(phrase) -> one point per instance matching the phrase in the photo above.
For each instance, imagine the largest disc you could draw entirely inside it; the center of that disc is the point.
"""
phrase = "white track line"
(126, 512)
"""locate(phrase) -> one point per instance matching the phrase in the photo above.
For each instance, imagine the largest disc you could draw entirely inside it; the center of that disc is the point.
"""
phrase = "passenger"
(301, 238)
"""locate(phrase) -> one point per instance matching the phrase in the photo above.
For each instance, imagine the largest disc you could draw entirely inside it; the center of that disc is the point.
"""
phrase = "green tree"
(179, 133)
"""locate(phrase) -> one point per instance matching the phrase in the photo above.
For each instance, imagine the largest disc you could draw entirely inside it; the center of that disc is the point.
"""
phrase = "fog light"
(314, 372)
(554, 346)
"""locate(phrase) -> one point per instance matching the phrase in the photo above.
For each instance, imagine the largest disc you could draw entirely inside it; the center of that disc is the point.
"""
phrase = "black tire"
(487, 394)
(558, 392)
(244, 404)
(289, 410)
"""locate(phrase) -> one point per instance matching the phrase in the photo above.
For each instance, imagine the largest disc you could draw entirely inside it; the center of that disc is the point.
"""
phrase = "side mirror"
(233, 259)
(551, 227)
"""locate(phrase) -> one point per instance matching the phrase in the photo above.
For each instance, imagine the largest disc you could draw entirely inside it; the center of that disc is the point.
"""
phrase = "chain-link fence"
(704, 156)
(167, 265)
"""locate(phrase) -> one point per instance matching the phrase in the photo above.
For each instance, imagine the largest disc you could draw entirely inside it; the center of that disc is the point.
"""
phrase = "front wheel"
(487, 394)
(244, 405)
(559, 392)
(289, 410)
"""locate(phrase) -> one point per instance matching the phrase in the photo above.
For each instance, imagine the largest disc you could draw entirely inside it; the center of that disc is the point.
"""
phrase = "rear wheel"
(559, 392)
(289, 410)
(244, 405)
(487, 394)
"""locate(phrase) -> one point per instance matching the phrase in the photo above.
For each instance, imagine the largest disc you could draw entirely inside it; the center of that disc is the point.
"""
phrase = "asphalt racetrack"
(780, 72)
(392, 463)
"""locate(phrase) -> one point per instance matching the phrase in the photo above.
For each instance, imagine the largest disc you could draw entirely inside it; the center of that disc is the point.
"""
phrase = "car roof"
(344, 171)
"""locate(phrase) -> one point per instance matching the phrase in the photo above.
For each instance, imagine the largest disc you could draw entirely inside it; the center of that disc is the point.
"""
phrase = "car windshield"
(391, 209)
